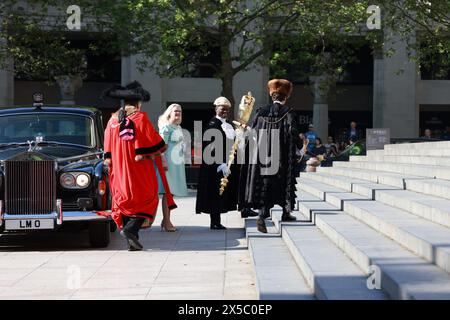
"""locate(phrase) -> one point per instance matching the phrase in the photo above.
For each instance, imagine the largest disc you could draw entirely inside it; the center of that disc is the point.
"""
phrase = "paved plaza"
(194, 263)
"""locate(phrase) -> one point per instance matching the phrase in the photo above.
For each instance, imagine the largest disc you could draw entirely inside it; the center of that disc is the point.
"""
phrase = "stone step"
(313, 251)
(277, 274)
(305, 196)
(316, 188)
(415, 152)
(402, 274)
(419, 145)
(333, 180)
(338, 199)
(251, 231)
(330, 194)
(369, 189)
(424, 238)
(358, 158)
(428, 207)
(408, 217)
(374, 152)
(307, 209)
(406, 169)
(420, 160)
(386, 178)
(434, 187)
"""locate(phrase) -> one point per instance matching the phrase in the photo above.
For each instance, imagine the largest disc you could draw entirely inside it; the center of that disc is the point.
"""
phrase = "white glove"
(224, 168)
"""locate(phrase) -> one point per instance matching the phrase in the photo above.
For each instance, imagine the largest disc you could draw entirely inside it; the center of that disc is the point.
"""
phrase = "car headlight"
(75, 180)
(83, 180)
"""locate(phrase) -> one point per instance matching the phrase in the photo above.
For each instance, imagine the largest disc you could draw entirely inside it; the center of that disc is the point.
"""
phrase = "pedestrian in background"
(354, 134)
(311, 136)
(319, 149)
(171, 131)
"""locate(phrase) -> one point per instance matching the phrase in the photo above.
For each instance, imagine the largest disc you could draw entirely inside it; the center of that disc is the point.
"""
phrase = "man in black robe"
(268, 177)
(209, 200)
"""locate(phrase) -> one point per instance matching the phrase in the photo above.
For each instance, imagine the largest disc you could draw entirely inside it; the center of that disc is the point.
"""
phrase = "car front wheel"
(99, 234)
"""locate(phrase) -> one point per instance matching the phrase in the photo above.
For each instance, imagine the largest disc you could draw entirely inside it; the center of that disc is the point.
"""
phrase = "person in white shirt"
(209, 200)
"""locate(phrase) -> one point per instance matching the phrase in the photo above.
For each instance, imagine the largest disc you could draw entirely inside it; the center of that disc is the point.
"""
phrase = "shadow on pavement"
(188, 238)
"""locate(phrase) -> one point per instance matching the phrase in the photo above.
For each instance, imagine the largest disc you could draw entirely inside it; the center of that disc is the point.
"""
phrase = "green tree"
(427, 23)
(174, 37)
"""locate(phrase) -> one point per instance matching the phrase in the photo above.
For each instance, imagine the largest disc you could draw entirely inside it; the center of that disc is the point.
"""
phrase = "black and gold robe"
(257, 188)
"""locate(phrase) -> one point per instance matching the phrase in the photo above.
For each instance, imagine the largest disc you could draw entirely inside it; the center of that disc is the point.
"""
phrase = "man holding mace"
(214, 167)
(276, 133)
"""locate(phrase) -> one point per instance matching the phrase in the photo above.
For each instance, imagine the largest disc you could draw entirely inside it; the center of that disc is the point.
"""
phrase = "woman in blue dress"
(171, 131)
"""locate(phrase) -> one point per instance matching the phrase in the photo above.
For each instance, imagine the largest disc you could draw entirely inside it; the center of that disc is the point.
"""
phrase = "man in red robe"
(131, 143)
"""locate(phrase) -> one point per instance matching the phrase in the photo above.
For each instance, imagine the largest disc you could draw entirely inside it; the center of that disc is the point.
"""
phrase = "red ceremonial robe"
(133, 184)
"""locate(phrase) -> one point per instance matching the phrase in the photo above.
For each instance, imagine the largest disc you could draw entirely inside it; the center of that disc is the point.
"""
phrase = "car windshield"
(64, 128)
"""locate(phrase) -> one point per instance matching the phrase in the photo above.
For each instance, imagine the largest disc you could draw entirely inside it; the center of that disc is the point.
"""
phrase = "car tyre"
(99, 234)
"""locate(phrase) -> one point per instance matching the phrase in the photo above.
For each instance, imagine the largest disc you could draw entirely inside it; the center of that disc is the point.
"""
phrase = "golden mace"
(245, 111)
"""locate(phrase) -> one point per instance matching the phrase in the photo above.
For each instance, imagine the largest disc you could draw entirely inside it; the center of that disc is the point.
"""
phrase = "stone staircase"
(381, 219)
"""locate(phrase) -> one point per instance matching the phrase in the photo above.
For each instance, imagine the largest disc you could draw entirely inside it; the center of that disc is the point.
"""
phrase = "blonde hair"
(164, 118)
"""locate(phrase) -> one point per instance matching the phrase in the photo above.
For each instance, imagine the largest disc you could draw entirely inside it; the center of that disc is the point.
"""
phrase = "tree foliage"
(425, 25)
(175, 37)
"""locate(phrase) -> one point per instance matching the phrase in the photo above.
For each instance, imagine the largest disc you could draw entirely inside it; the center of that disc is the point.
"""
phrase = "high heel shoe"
(163, 228)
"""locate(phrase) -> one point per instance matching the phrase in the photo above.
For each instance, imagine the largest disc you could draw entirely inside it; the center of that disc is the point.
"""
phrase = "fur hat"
(281, 86)
(132, 91)
(222, 101)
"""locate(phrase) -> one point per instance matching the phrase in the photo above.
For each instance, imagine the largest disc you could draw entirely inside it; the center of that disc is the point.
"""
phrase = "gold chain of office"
(275, 122)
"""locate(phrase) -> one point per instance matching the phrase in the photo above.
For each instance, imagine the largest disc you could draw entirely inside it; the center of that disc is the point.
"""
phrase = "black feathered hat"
(132, 91)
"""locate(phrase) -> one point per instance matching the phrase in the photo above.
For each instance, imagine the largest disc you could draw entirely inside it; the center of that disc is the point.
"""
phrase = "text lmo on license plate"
(30, 224)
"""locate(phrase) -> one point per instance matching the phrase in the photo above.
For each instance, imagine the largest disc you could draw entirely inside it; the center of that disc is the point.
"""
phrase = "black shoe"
(131, 248)
(217, 227)
(132, 240)
(261, 225)
(288, 217)
(265, 213)
(245, 213)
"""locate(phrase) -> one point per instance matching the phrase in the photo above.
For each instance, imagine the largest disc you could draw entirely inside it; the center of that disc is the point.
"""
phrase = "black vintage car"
(51, 171)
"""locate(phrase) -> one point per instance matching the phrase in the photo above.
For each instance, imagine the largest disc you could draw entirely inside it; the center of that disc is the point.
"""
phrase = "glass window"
(66, 128)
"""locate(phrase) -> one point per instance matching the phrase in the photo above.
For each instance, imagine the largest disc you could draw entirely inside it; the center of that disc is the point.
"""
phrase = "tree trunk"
(227, 72)
(227, 91)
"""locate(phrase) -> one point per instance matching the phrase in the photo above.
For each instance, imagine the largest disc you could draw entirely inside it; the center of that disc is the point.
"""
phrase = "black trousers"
(215, 218)
(133, 225)
(265, 212)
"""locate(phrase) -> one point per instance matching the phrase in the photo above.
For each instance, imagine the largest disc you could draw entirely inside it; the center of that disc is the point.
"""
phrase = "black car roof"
(88, 111)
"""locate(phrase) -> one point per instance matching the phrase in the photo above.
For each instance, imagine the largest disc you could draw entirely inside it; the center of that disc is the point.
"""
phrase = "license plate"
(29, 224)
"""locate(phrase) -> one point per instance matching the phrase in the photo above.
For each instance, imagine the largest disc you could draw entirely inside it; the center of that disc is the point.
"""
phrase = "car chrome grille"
(30, 187)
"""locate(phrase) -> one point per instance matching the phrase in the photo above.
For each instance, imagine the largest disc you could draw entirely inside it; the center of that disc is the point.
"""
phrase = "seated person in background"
(319, 149)
(301, 153)
(332, 148)
(311, 136)
(427, 134)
